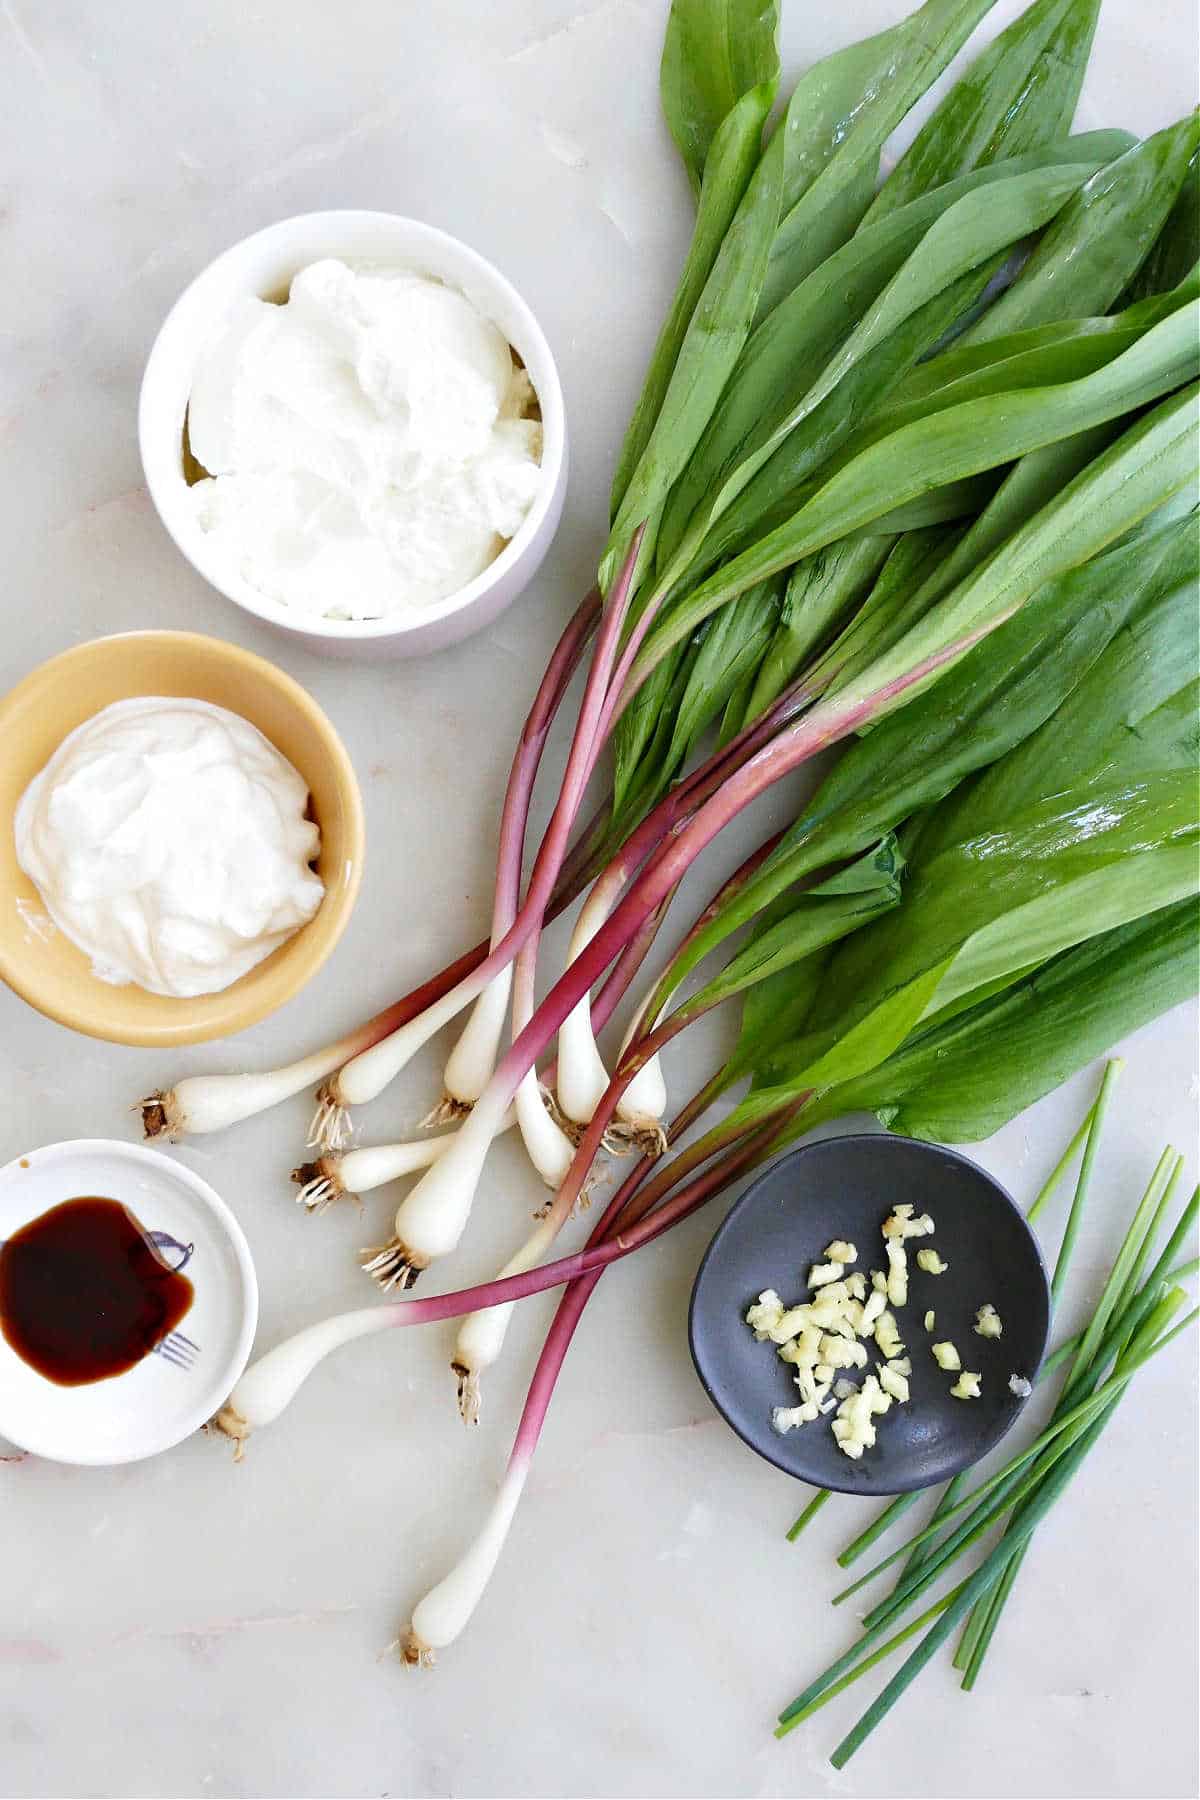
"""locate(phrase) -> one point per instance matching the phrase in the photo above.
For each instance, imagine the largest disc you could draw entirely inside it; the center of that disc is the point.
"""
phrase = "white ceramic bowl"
(159, 1401)
(264, 265)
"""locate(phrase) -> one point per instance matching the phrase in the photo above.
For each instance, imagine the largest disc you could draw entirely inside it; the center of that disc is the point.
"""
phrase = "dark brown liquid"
(84, 1294)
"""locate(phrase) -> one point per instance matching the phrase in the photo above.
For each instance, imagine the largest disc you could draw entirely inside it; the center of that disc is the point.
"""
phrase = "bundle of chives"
(1132, 1323)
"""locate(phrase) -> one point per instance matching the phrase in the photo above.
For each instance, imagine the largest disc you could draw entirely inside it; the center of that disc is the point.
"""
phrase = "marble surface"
(187, 1628)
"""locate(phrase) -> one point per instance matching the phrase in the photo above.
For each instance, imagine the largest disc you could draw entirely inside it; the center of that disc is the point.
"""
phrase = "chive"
(1080, 1413)
(1127, 1256)
(809, 1514)
(949, 1496)
(987, 1607)
(992, 1569)
(1075, 1216)
(1135, 1306)
(986, 1615)
(984, 1620)
(886, 1519)
(978, 1619)
(1140, 1352)
(868, 1663)
(978, 1584)
(1054, 1179)
(979, 1522)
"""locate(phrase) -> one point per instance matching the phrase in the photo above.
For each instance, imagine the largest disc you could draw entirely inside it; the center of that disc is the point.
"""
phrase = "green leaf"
(1173, 256)
(641, 739)
(734, 716)
(838, 316)
(730, 163)
(964, 440)
(794, 471)
(710, 346)
(1019, 93)
(820, 591)
(899, 597)
(714, 52)
(1000, 694)
(1100, 238)
(818, 918)
(993, 905)
(886, 392)
(1030, 484)
(966, 1079)
(839, 116)
(773, 1011)
(1131, 714)
(1039, 357)
(734, 641)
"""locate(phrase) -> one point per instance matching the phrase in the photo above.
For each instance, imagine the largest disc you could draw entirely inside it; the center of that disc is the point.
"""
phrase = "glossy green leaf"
(964, 440)
(794, 472)
(989, 907)
(1130, 715)
(820, 591)
(818, 918)
(838, 316)
(1100, 239)
(898, 598)
(886, 391)
(1019, 93)
(731, 161)
(999, 695)
(1030, 484)
(966, 1079)
(710, 346)
(1176, 250)
(714, 52)
(1036, 358)
(839, 116)
(641, 739)
(734, 641)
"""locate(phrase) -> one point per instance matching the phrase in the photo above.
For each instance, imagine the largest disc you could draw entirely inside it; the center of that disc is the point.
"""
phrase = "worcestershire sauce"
(84, 1294)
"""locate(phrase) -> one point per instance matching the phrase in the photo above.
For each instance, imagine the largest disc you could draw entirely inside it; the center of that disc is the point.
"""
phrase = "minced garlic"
(765, 1314)
(853, 1425)
(887, 1336)
(1021, 1387)
(931, 1262)
(874, 1305)
(822, 1273)
(843, 1353)
(897, 1273)
(786, 1418)
(828, 1333)
(840, 1251)
(901, 1224)
(892, 1381)
(966, 1387)
(987, 1322)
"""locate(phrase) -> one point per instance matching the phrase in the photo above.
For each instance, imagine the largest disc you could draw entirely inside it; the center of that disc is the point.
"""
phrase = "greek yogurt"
(168, 840)
(367, 447)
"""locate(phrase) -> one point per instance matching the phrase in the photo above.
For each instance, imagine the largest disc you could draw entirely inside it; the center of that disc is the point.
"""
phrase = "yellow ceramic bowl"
(43, 966)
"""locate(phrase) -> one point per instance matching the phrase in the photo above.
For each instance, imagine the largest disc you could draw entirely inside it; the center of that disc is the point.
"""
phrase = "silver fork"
(177, 1349)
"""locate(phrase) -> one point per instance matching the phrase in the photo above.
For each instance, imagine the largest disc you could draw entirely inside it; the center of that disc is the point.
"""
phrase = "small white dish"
(158, 1402)
(264, 265)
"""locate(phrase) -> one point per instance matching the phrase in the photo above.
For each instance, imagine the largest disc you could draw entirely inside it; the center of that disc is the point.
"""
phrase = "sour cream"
(369, 445)
(168, 840)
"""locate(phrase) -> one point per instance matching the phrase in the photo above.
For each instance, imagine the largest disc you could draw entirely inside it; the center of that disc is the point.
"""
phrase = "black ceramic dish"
(845, 1188)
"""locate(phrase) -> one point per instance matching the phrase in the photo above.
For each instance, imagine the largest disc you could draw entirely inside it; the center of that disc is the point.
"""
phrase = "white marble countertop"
(183, 1627)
